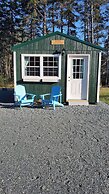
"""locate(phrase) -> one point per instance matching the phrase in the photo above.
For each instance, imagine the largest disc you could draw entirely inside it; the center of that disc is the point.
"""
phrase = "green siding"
(71, 47)
(93, 77)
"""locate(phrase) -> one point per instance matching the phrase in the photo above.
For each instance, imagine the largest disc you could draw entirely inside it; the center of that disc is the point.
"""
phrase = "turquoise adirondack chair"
(22, 98)
(55, 98)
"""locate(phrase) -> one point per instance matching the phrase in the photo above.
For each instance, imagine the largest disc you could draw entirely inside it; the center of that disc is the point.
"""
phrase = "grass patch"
(104, 95)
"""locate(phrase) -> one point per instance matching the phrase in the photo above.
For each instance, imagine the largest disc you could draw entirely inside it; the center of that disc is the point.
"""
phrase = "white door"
(77, 77)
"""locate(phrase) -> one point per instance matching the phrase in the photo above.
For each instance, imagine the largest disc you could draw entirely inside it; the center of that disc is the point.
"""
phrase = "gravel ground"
(54, 152)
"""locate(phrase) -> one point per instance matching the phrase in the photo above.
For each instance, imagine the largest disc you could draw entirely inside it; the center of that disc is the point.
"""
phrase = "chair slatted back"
(20, 91)
(55, 91)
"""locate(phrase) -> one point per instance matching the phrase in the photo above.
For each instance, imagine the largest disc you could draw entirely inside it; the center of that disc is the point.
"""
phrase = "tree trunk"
(91, 13)
(61, 17)
(44, 21)
(53, 27)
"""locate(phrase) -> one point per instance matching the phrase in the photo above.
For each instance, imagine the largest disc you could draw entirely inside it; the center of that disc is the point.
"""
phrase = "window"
(41, 67)
(78, 68)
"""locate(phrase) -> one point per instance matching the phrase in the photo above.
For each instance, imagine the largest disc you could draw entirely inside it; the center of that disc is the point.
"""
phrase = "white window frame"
(41, 77)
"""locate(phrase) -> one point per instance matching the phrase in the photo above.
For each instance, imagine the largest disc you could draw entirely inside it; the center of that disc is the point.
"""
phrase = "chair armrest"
(32, 95)
(60, 97)
(43, 95)
(57, 95)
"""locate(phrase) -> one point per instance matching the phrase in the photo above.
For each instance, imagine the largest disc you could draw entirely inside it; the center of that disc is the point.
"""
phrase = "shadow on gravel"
(5, 105)
(6, 95)
(7, 100)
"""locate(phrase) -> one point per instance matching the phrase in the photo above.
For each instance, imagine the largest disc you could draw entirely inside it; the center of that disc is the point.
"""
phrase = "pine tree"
(105, 61)
(10, 33)
(31, 18)
(62, 16)
(92, 20)
(71, 16)
(7, 35)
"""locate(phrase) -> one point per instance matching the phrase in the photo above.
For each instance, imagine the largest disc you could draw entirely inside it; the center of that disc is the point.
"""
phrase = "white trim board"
(14, 61)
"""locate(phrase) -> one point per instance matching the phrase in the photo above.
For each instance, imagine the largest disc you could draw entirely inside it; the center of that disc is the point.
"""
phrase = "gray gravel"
(54, 152)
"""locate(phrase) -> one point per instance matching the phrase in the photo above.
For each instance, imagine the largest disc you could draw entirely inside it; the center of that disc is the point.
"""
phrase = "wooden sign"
(56, 42)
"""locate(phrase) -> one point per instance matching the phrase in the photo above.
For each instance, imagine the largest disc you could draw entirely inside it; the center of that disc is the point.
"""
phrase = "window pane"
(73, 75)
(31, 69)
(51, 73)
(37, 71)
(45, 71)
(81, 69)
(77, 75)
(44, 58)
(37, 63)
(74, 61)
(74, 69)
(56, 59)
(31, 73)
(37, 59)
(56, 63)
(50, 58)
(28, 71)
(26, 58)
(31, 63)
(56, 72)
(78, 61)
(32, 66)
(81, 75)
(44, 63)
(82, 65)
(31, 58)
(50, 63)
(50, 66)
(78, 69)
(26, 61)
(82, 62)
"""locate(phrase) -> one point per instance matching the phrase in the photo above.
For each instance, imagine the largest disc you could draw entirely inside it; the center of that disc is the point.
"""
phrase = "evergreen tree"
(11, 32)
(62, 16)
(92, 20)
(71, 16)
(105, 58)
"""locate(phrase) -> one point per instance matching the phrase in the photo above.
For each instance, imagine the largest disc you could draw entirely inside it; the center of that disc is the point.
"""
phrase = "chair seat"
(47, 101)
(28, 101)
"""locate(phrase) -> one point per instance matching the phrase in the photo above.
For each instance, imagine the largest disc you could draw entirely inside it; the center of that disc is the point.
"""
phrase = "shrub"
(5, 82)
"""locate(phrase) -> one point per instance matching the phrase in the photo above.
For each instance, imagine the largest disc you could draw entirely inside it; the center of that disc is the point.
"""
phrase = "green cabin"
(59, 59)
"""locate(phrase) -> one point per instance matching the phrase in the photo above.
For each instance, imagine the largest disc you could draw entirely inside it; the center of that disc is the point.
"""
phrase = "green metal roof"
(15, 47)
